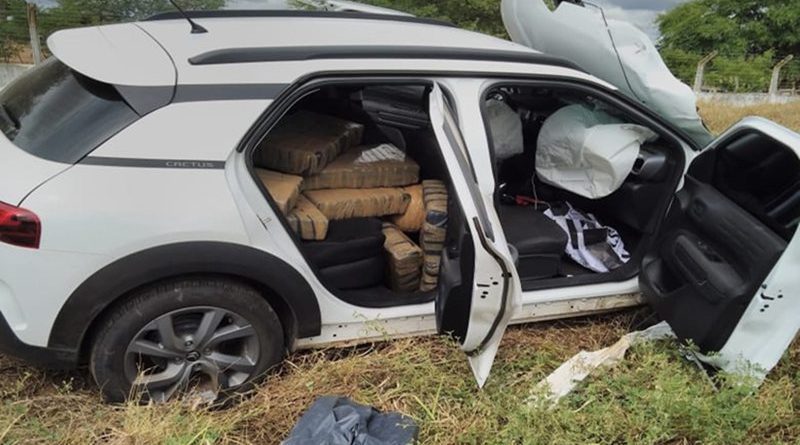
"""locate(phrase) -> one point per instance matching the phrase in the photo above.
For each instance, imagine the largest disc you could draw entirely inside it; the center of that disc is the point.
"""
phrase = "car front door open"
(725, 271)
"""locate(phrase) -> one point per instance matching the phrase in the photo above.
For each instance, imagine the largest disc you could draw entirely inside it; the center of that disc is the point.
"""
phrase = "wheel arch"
(281, 285)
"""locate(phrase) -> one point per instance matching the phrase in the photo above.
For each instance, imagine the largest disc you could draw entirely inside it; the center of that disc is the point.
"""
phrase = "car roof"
(158, 51)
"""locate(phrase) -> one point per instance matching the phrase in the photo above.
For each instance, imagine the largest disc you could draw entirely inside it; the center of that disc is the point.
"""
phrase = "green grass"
(653, 396)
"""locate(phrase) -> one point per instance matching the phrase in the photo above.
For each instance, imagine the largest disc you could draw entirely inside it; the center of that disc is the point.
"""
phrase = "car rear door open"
(475, 311)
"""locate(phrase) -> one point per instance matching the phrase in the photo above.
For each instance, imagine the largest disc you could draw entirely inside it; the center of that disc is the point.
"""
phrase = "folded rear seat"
(539, 241)
(352, 255)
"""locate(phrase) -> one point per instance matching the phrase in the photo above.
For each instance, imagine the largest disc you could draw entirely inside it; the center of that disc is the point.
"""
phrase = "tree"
(13, 28)
(750, 35)
(477, 15)
(72, 13)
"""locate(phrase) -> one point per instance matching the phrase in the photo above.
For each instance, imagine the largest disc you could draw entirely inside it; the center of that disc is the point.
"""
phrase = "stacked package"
(405, 260)
(411, 220)
(321, 176)
(307, 221)
(305, 142)
(359, 203)
(434, 231)
(284, 189)
(383, 165)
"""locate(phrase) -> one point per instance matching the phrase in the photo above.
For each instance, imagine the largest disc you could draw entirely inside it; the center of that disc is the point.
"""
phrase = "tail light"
(19, 227)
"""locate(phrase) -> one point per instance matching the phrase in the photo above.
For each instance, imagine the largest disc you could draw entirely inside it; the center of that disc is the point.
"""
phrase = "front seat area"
(539, 241)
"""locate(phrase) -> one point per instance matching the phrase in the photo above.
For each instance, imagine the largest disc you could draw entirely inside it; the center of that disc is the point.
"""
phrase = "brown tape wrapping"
(434, 231)
(414, 216)
(305, 142)
(359, 203)
(307, 221)
(405, 260)
(366, 167)
(283, 188)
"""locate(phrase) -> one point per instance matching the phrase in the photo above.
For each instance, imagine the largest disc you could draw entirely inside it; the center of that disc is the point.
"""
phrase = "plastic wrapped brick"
(305, 142)
(405, 260)
(434, 231)
(307, 221)
(284, 189)
(414, 216)
(381, 165)
(338, 204)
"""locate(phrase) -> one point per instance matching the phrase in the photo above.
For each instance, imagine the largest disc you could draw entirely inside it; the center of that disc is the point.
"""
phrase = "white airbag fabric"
(506, 129)
(587, 152)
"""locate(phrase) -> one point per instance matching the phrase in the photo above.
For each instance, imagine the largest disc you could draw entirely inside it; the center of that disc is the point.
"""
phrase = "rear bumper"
(45, 357)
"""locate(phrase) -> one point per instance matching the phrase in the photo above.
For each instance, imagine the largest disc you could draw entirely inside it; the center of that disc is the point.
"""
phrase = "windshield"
(60, 115)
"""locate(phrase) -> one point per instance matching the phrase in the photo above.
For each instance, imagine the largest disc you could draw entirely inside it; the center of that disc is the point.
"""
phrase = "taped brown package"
(283, 188)
(307, 221)
(434, 231)
(359, 203)
(405, 260)
(305, 142)
(372, 166)
(414, 216)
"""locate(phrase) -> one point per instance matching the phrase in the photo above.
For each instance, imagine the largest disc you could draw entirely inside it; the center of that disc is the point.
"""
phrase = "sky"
(641, 13)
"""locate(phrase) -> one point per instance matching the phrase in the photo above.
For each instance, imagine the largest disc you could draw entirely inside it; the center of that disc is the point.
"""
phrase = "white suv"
(137, 235)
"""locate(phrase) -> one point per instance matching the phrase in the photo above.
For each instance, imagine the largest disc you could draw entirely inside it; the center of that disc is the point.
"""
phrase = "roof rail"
(246, 13)
(299, 53)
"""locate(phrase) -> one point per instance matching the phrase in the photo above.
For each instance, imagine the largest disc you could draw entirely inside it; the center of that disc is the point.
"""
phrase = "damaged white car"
(183, 204)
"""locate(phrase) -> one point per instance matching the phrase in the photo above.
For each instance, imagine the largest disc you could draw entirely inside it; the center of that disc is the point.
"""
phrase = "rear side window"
(60, 115)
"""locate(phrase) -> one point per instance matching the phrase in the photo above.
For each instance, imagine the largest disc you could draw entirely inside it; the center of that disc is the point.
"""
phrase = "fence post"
(701, 70)
(33, 30)
(776, 78)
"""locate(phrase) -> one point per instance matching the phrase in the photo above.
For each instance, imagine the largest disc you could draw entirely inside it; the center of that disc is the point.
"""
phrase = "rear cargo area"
(358, 176)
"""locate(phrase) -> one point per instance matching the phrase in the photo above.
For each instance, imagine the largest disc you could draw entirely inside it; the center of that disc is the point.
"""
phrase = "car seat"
(539, 241)
(352, 256)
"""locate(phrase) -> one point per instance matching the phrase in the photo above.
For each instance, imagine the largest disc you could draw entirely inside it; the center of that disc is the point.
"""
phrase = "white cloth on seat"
(588, 152)
(594, 246)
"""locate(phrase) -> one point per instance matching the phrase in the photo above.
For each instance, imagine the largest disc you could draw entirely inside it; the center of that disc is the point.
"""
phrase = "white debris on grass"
(564, 379)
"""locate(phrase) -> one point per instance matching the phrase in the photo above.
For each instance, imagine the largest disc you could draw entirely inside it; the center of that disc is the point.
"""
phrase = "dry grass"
(654, 396)
(719, 116)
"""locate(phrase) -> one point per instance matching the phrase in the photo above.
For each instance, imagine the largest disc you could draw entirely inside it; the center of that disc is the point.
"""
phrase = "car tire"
(213, 337)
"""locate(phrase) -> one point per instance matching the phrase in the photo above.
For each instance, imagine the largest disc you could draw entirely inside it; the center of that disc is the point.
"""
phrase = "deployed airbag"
(506, 129)
(588, 152)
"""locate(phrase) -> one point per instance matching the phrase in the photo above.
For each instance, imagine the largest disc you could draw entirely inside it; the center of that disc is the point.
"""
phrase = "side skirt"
(369, 331)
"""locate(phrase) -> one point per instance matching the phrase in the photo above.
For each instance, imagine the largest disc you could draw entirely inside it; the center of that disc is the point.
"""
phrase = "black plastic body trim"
(53, 358)
(153, 163)
(118, 279)
(300, 53)
(259, 13)
(241, 91)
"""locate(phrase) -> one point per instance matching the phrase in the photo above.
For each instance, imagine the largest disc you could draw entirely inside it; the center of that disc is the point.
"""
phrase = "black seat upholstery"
(352, 256)
(539, 241)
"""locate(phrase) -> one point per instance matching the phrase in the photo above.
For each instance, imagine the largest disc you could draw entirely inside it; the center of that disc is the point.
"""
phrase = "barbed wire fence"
(24, 28)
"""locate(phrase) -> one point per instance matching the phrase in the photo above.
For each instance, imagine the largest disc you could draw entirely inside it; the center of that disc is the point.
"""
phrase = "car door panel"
(716, 255)
(476, 311)
(729, 233)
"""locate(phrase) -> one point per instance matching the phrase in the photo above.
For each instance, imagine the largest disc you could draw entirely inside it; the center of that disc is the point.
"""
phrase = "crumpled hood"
(629, 61)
